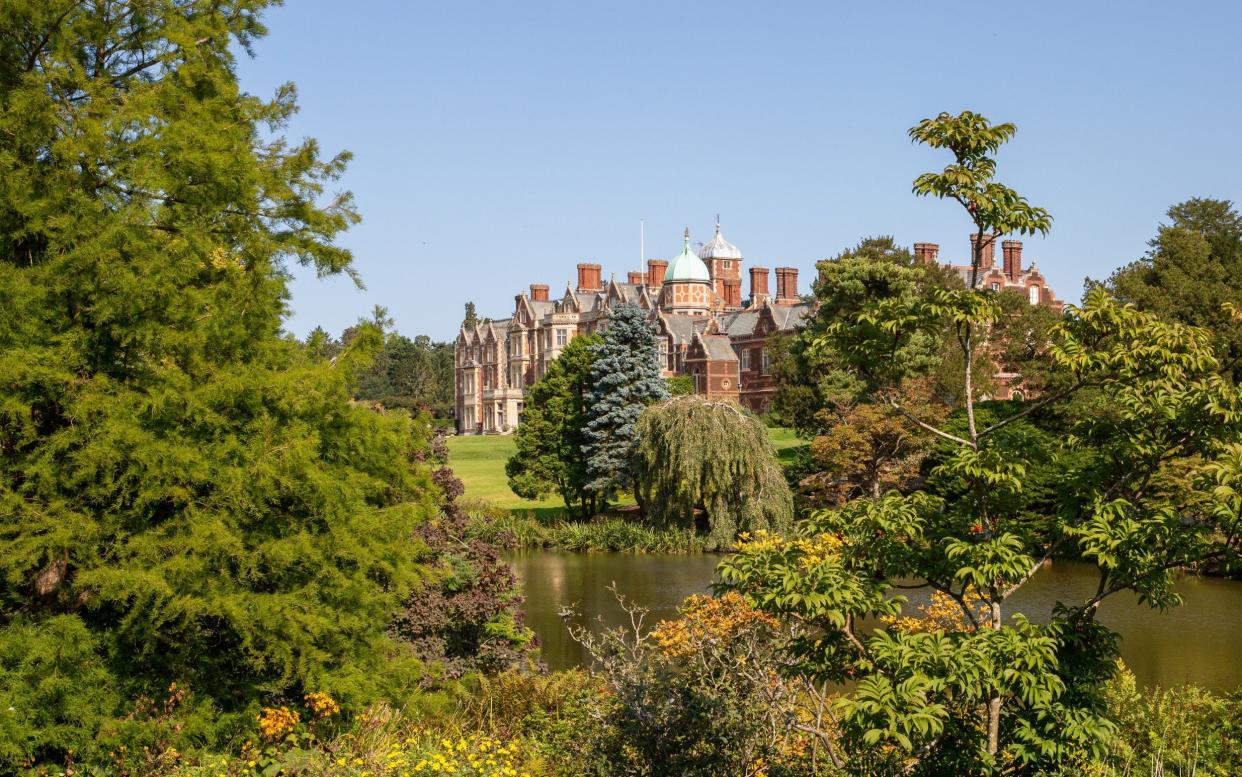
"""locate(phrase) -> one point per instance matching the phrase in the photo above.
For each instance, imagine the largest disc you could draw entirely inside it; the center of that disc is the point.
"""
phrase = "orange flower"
(321, 704)
(276, 722)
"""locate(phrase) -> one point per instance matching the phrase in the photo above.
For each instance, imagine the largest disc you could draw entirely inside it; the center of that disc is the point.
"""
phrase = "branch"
(923, 425)
(1035, 406)
(1034, 568)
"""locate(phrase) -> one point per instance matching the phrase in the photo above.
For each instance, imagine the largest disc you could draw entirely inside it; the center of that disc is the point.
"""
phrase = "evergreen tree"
(185, 495)
(1193, 272)
(702, 457)
(625, 379)
(552, 433)
(472, 318)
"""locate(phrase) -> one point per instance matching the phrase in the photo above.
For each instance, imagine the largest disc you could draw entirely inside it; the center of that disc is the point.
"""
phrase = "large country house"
(706, 329)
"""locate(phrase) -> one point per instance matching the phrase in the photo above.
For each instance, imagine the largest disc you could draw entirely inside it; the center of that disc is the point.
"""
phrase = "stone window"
(562, 337)
(745, 358)
(1034, 292)
(767, 361)
(995, 286)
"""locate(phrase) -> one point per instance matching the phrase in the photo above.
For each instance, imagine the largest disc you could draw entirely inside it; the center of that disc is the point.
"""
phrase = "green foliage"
(1183, 730)
(601, 535)
(696, 454)
(680, 385)
(552, 434)
(700, 695)
(813, 379)
(185, 496)
(1127, 457)
(1192, 272)
(625, 379)
(403, 373)
(993, 207)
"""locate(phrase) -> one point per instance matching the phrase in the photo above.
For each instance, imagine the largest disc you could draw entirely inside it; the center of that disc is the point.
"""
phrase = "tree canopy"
(1192, 272)
(701, 456)
(1126, 457)
(625, 379)
(552, 434)
(186, 495)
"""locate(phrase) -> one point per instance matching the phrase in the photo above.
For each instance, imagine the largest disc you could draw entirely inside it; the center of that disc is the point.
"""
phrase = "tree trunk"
(994, 704)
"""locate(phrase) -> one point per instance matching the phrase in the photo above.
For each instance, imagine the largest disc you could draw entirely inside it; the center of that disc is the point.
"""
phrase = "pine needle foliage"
(625, 379)
(186, 495)
(701, 456)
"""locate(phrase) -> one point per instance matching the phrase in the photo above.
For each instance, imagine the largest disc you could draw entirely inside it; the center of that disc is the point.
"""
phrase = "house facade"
(706, 328)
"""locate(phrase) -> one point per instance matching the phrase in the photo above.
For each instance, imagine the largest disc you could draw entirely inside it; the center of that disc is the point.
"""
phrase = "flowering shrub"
(705, 694)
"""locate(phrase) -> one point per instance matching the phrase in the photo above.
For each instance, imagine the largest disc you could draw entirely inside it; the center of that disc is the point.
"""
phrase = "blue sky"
(499, 144)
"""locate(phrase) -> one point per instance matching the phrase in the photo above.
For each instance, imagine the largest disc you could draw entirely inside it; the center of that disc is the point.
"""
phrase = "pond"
(1196, 643)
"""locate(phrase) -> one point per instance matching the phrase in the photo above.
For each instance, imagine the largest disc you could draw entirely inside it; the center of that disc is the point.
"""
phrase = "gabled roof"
(787, 317)
(683, 328)
(715, 347)
(740, 323)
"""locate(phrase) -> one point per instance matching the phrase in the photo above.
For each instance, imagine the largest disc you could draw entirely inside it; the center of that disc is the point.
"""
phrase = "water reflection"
(1196, 643)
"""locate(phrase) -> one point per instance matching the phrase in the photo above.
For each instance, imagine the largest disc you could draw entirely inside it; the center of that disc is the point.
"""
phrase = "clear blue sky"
(499, 144)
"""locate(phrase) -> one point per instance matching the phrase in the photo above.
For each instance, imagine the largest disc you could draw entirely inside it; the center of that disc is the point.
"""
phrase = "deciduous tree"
(706, 460)
(1003, 695)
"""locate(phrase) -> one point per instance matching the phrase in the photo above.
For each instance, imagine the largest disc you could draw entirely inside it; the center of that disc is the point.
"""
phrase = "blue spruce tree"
(625, 379)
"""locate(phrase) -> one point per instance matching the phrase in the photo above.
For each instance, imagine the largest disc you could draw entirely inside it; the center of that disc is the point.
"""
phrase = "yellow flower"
(276, 722)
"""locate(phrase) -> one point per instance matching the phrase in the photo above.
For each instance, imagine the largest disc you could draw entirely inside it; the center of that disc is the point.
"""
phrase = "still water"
(1200, 642)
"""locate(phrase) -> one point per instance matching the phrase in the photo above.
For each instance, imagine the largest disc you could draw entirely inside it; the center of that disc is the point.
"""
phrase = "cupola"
(686, 266)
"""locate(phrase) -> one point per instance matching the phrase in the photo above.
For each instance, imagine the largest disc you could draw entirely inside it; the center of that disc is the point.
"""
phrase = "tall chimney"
(655, 272)
(758, 284)
(1012, 250)
(989, 251)
(634, 277)
(786, 285)
(589, 277)
(539, 292)
(733, 293)
(926, 253)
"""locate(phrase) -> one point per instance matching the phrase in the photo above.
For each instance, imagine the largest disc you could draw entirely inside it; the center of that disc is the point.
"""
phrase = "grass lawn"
(480, 463)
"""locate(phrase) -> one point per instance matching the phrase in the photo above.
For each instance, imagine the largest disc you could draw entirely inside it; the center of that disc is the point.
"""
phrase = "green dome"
(686, 266)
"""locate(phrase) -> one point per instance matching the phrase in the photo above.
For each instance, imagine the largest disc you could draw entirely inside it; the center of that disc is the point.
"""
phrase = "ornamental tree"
(625, 379)
(1142, 433)
(186, 495)
(553, 431)
(705, 461)
(994, 208)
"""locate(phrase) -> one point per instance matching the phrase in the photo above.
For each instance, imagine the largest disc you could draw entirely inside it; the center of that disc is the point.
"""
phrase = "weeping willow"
(700, 460)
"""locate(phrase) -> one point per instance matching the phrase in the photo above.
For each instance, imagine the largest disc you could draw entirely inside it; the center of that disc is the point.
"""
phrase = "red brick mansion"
(707, 330)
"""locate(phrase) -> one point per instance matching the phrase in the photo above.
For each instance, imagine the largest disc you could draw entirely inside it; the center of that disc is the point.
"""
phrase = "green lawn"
(480, 463)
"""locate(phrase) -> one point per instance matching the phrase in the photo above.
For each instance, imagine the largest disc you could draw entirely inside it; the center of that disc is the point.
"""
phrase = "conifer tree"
(550, 438)
(625, 379)
(186, 495)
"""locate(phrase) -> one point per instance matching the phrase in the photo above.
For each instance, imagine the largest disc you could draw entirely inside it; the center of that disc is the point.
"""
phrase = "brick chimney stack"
(758, 284)
(635, 278)
(989, 251)
(539, 292)
(589, 277)
(1012, 250)
(926, 253)
(655, 272)
(786, 285)
(732, 293)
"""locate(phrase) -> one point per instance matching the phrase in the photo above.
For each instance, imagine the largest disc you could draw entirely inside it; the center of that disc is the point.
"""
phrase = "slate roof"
(718, 347)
